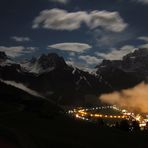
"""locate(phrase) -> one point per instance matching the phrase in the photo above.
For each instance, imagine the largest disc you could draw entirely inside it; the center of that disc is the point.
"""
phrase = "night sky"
(82, 31)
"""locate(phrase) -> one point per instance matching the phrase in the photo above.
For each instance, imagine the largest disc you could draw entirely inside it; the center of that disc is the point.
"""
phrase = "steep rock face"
(127, 72)
(50, 76)
(8, 68)
(51, 60)
(137, 62)
(45, 63)
(69, 85)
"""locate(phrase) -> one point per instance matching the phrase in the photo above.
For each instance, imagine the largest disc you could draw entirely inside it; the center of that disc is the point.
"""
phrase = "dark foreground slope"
(14, 99)
(33, 131)
(27, 121)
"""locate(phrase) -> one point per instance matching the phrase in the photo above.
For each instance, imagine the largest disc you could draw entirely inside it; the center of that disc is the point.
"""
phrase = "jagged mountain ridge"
(45, 63)
(55, 79)
(129, 71)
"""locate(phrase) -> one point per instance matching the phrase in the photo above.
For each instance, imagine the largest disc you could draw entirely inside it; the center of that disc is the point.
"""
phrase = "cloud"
(60, 1)
(108, 20)
(16, 50)
(141, 1)
(105, 39)
(20, 39)
(143, 38)
(22, 87)
(90, 59)
(74, 47)
(59, 19)
(78, 64)
(117, 54)
(144, 46)
(134, 99)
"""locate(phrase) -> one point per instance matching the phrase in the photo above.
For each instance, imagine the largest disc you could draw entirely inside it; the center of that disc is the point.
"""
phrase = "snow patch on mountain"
(7, 62)
(36, 68)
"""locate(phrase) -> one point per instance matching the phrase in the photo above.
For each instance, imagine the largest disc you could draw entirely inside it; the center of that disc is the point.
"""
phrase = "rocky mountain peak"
(3, 56)
(51, 60)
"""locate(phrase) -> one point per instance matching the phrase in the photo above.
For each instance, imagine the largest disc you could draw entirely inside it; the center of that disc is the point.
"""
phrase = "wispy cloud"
(143, 38)
(22, 87)
(74, 47)
(144, 46)
(20, 39)
(141, 1)
(60, 1)
(90, 59)
(118, 54)
(80, 65)
(16, 51)
(106, 39)
(115, 54)
(59, 19)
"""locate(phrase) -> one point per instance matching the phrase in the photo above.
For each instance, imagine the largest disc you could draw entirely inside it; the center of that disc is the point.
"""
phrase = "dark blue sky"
(17, 16)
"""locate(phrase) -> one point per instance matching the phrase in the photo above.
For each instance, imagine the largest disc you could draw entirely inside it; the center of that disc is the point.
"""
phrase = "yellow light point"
(111, 116)
(138, 117)
(91, 115)
(97, 115)
(119, 116)
(82, 112)
(124, 111)
(115, 116)
(142, 124)
(77, 116)
(105, 116)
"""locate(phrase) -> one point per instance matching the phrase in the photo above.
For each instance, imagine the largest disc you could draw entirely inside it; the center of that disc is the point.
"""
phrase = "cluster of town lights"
(88, 114)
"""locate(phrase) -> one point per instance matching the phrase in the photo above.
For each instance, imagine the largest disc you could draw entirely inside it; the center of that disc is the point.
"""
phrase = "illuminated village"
(110, 114)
